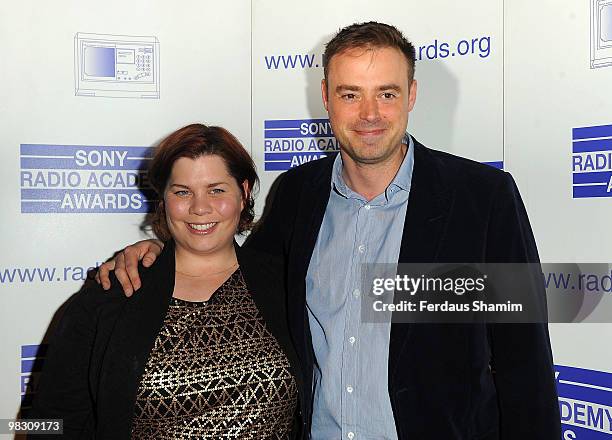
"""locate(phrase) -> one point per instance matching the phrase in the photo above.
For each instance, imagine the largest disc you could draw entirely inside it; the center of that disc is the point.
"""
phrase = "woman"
(205, 353)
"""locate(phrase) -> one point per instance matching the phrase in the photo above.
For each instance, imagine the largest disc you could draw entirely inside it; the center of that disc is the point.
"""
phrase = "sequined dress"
(216, 372)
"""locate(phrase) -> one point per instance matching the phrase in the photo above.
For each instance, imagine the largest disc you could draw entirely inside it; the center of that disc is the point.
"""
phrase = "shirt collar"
(401, 181)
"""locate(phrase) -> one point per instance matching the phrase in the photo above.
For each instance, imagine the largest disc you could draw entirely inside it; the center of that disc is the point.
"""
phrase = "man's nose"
(369, 109)
(201, 205)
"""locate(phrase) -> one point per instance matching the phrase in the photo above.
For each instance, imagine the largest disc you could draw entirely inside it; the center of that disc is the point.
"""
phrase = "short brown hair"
(193, 141)
(366, 35)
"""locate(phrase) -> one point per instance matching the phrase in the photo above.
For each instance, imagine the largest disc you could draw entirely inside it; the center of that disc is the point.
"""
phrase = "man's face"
(368, 97)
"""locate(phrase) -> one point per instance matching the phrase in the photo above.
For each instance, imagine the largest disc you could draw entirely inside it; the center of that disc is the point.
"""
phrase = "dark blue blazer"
(446, 381)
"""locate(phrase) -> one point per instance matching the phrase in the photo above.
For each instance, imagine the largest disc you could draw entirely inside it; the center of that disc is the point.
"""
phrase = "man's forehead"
(365, 50)
(367, 57)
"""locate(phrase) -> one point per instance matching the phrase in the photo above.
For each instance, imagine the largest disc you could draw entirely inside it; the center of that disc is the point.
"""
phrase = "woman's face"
(203, 204)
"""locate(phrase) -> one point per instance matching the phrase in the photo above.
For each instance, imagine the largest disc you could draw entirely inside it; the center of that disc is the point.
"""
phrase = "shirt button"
(351, 435)
(356, 293)
(367, 207)
(361, 248)
(352, 339)
(349, 389)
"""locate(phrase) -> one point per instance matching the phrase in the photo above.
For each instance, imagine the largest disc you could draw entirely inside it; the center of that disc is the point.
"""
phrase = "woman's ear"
(246, 193)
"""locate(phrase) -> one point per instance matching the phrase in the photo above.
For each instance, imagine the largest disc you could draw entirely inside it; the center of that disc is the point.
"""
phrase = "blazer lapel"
(314, 199)
(429, 204)
(312, 204)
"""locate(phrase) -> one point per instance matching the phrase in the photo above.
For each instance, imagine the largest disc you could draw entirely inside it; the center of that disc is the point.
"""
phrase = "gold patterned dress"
(216, 372)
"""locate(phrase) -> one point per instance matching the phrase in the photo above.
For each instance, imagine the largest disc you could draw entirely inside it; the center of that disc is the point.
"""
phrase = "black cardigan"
(99, 350)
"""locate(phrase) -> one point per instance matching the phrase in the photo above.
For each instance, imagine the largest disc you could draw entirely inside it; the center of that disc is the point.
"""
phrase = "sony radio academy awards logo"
(289, 143)
(592, 161)
(585, 403)
(292, 142)
(85, 179)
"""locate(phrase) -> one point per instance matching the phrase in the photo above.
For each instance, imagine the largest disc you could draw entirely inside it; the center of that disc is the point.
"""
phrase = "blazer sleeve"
(521, 355)
(64, 390)
(273, 231)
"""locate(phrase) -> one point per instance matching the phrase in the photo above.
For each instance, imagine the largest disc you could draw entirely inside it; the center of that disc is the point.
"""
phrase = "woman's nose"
(201, 205)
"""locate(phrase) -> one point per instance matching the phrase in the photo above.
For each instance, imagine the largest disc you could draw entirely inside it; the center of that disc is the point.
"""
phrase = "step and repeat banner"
(88, 90)
(459, 71)
(558, 146)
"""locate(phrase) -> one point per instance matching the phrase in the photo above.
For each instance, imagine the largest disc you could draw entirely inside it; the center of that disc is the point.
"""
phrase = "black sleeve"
(521, 355)
(63, 390)
(272, 233)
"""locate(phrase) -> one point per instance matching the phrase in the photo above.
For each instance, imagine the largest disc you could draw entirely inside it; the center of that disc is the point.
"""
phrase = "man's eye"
(388, 95)
(348, 96)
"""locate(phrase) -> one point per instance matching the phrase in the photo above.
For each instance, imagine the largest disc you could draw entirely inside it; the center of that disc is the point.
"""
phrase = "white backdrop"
(497, 82)
(204, 75)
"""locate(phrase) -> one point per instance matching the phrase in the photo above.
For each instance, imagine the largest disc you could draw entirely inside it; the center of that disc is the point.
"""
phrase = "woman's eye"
(181, 193)
(217, 191)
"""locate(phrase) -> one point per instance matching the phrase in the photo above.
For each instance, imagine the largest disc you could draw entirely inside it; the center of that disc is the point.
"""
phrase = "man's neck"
(370, 180)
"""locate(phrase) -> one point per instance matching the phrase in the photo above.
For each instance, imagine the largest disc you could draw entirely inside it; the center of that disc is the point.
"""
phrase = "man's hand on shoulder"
(125, 265)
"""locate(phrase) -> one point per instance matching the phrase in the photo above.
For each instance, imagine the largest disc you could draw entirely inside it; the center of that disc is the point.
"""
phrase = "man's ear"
(324, 93)
(412, 95)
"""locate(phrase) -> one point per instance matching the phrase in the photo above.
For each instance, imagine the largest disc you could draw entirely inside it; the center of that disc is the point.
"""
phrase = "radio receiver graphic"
(116, 66)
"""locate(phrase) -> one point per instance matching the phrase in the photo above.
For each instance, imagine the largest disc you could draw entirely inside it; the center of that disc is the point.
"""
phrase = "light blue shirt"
(351, 397)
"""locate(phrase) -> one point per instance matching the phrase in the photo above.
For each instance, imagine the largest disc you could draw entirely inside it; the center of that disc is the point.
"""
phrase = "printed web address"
(438, 49)
(45, 274)
(590, 282)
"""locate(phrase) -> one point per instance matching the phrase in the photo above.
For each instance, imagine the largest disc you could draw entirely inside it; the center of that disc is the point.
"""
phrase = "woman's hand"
(125, 265)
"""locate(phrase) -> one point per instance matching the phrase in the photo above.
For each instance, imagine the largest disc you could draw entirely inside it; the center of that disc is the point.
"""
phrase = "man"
(387, 198)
